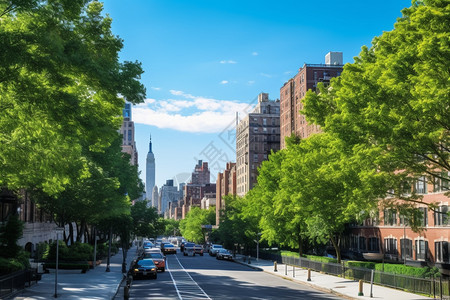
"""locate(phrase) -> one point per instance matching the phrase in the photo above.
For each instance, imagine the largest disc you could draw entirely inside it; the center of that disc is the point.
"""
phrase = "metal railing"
(434, 287)
(17, 281)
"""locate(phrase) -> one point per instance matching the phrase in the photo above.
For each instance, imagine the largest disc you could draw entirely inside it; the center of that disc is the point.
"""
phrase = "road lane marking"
(185, 285)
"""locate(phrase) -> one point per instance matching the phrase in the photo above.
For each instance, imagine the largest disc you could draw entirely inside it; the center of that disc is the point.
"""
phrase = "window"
(441, 252)
(129, 135)
(255, 129)
(423, 215)
(362, 243)
(390, 217)
(255, 157)
(374, 244)
(403, 220)
(421, 249)
(441, 216)
(265, 122)
(390, 246)
(421, 185)
(406, 248)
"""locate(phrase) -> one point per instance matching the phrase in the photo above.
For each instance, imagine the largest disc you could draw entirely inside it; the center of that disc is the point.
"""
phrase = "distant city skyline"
(205, 60)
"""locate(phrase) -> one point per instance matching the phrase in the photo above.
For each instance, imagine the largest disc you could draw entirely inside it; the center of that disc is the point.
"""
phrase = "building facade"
(294, 90)
(168, 194)
(387, 232)
(225, 185)
(256, 136)
(127, 131)
(150, 168)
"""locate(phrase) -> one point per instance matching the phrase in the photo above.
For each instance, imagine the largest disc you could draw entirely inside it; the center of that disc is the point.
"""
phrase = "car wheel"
(217, 257)
(201, 254)
(155, 276)
(184, 253)
(163, 270)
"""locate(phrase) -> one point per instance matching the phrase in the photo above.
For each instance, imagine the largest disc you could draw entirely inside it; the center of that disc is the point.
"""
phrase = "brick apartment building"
(388, 233)
(294, 90)
(225, 185)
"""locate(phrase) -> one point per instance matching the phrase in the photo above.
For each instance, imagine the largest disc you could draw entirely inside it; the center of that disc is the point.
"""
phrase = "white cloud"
(251, 82)
(266, 75)
(155, 88)
(196, 114)
(255, 53)
(224, 82)
(228, 62)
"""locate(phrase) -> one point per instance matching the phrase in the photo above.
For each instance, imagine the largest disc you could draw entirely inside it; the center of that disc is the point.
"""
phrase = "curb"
(326, 290)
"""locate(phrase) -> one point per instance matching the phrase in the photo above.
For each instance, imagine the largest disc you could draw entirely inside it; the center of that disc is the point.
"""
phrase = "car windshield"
(168, 246)
(189, 245)
(146, 263)
(217, 246)
(223, 250)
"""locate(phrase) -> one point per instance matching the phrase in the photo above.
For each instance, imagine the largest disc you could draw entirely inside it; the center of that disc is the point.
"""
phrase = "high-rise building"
(127, 131)
(155, 196)
(197, 188)
(294, 90)
(150, 172)
(225, 185)
(256, 136)
(169, 194)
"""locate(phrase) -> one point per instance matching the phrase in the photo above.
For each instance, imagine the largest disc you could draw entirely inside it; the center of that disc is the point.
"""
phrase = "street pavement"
(72, 284)
(339, 286)
(98, 284)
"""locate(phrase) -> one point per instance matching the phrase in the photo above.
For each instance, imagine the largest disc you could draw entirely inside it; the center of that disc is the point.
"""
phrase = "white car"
(214, 249)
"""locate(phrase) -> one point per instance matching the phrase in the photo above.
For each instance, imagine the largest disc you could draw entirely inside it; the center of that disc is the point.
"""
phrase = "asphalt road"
(204, 277)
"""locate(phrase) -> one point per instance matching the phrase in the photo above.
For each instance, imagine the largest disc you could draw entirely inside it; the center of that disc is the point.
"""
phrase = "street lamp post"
(58, 230)
(257, 245)
(95, 249)
(109, 250)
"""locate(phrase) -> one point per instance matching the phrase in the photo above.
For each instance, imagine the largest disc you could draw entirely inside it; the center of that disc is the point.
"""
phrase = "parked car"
(143, 268)
(198, 249)
(214, 248)
(158, 258)
(168, 249)
(224, 254)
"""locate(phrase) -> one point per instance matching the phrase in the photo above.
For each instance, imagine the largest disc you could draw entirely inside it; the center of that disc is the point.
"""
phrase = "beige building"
(294, 90)
(127, 131)
(256, 136)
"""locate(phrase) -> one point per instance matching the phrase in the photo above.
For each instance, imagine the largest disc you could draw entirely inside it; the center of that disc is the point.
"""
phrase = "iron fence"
(434, 287)
(16, 281)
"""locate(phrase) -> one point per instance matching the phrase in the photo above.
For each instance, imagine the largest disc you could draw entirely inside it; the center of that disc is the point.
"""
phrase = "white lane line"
(173, 280)
(187, 286)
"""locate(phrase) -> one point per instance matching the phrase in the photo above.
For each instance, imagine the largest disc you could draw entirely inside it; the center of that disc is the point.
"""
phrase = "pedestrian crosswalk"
(185, 285)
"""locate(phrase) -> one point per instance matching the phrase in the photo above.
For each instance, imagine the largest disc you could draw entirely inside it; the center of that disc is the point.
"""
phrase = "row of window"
(440, 217)
(420, 249)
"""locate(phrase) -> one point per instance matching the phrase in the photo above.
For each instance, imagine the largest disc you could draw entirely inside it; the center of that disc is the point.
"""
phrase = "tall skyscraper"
(150, 172)
(294, 90)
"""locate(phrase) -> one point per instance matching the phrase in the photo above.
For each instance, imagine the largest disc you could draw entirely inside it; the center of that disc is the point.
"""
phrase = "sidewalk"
(346, 288)
(72, 284)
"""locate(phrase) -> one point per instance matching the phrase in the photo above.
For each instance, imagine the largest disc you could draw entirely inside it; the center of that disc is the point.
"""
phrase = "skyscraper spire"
(150, 144)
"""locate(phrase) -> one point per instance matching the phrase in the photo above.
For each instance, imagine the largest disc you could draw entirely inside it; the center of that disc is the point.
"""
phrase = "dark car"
(168, 249)
(158, 259)
(224, 254)
(143, 268)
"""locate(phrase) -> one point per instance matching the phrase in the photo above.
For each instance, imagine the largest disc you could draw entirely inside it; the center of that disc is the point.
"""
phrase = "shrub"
(361, 264)
(80, 252)
(10, 265)
(50, 253)
(68, 266)
(423, 272)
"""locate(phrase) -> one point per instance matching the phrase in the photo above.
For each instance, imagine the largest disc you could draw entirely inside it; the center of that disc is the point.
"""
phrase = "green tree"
(171, 227)
(191, 226)
(60, 87)
(10, 233)
(146, 221)
(391, 105)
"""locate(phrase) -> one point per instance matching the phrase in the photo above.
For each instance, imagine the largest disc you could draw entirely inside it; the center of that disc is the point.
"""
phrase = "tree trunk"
(300, 245)
(124, 260)
(336, 248)
(82, 231)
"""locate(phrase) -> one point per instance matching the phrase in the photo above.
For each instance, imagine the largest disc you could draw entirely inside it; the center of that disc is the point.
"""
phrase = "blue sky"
(206, 60)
